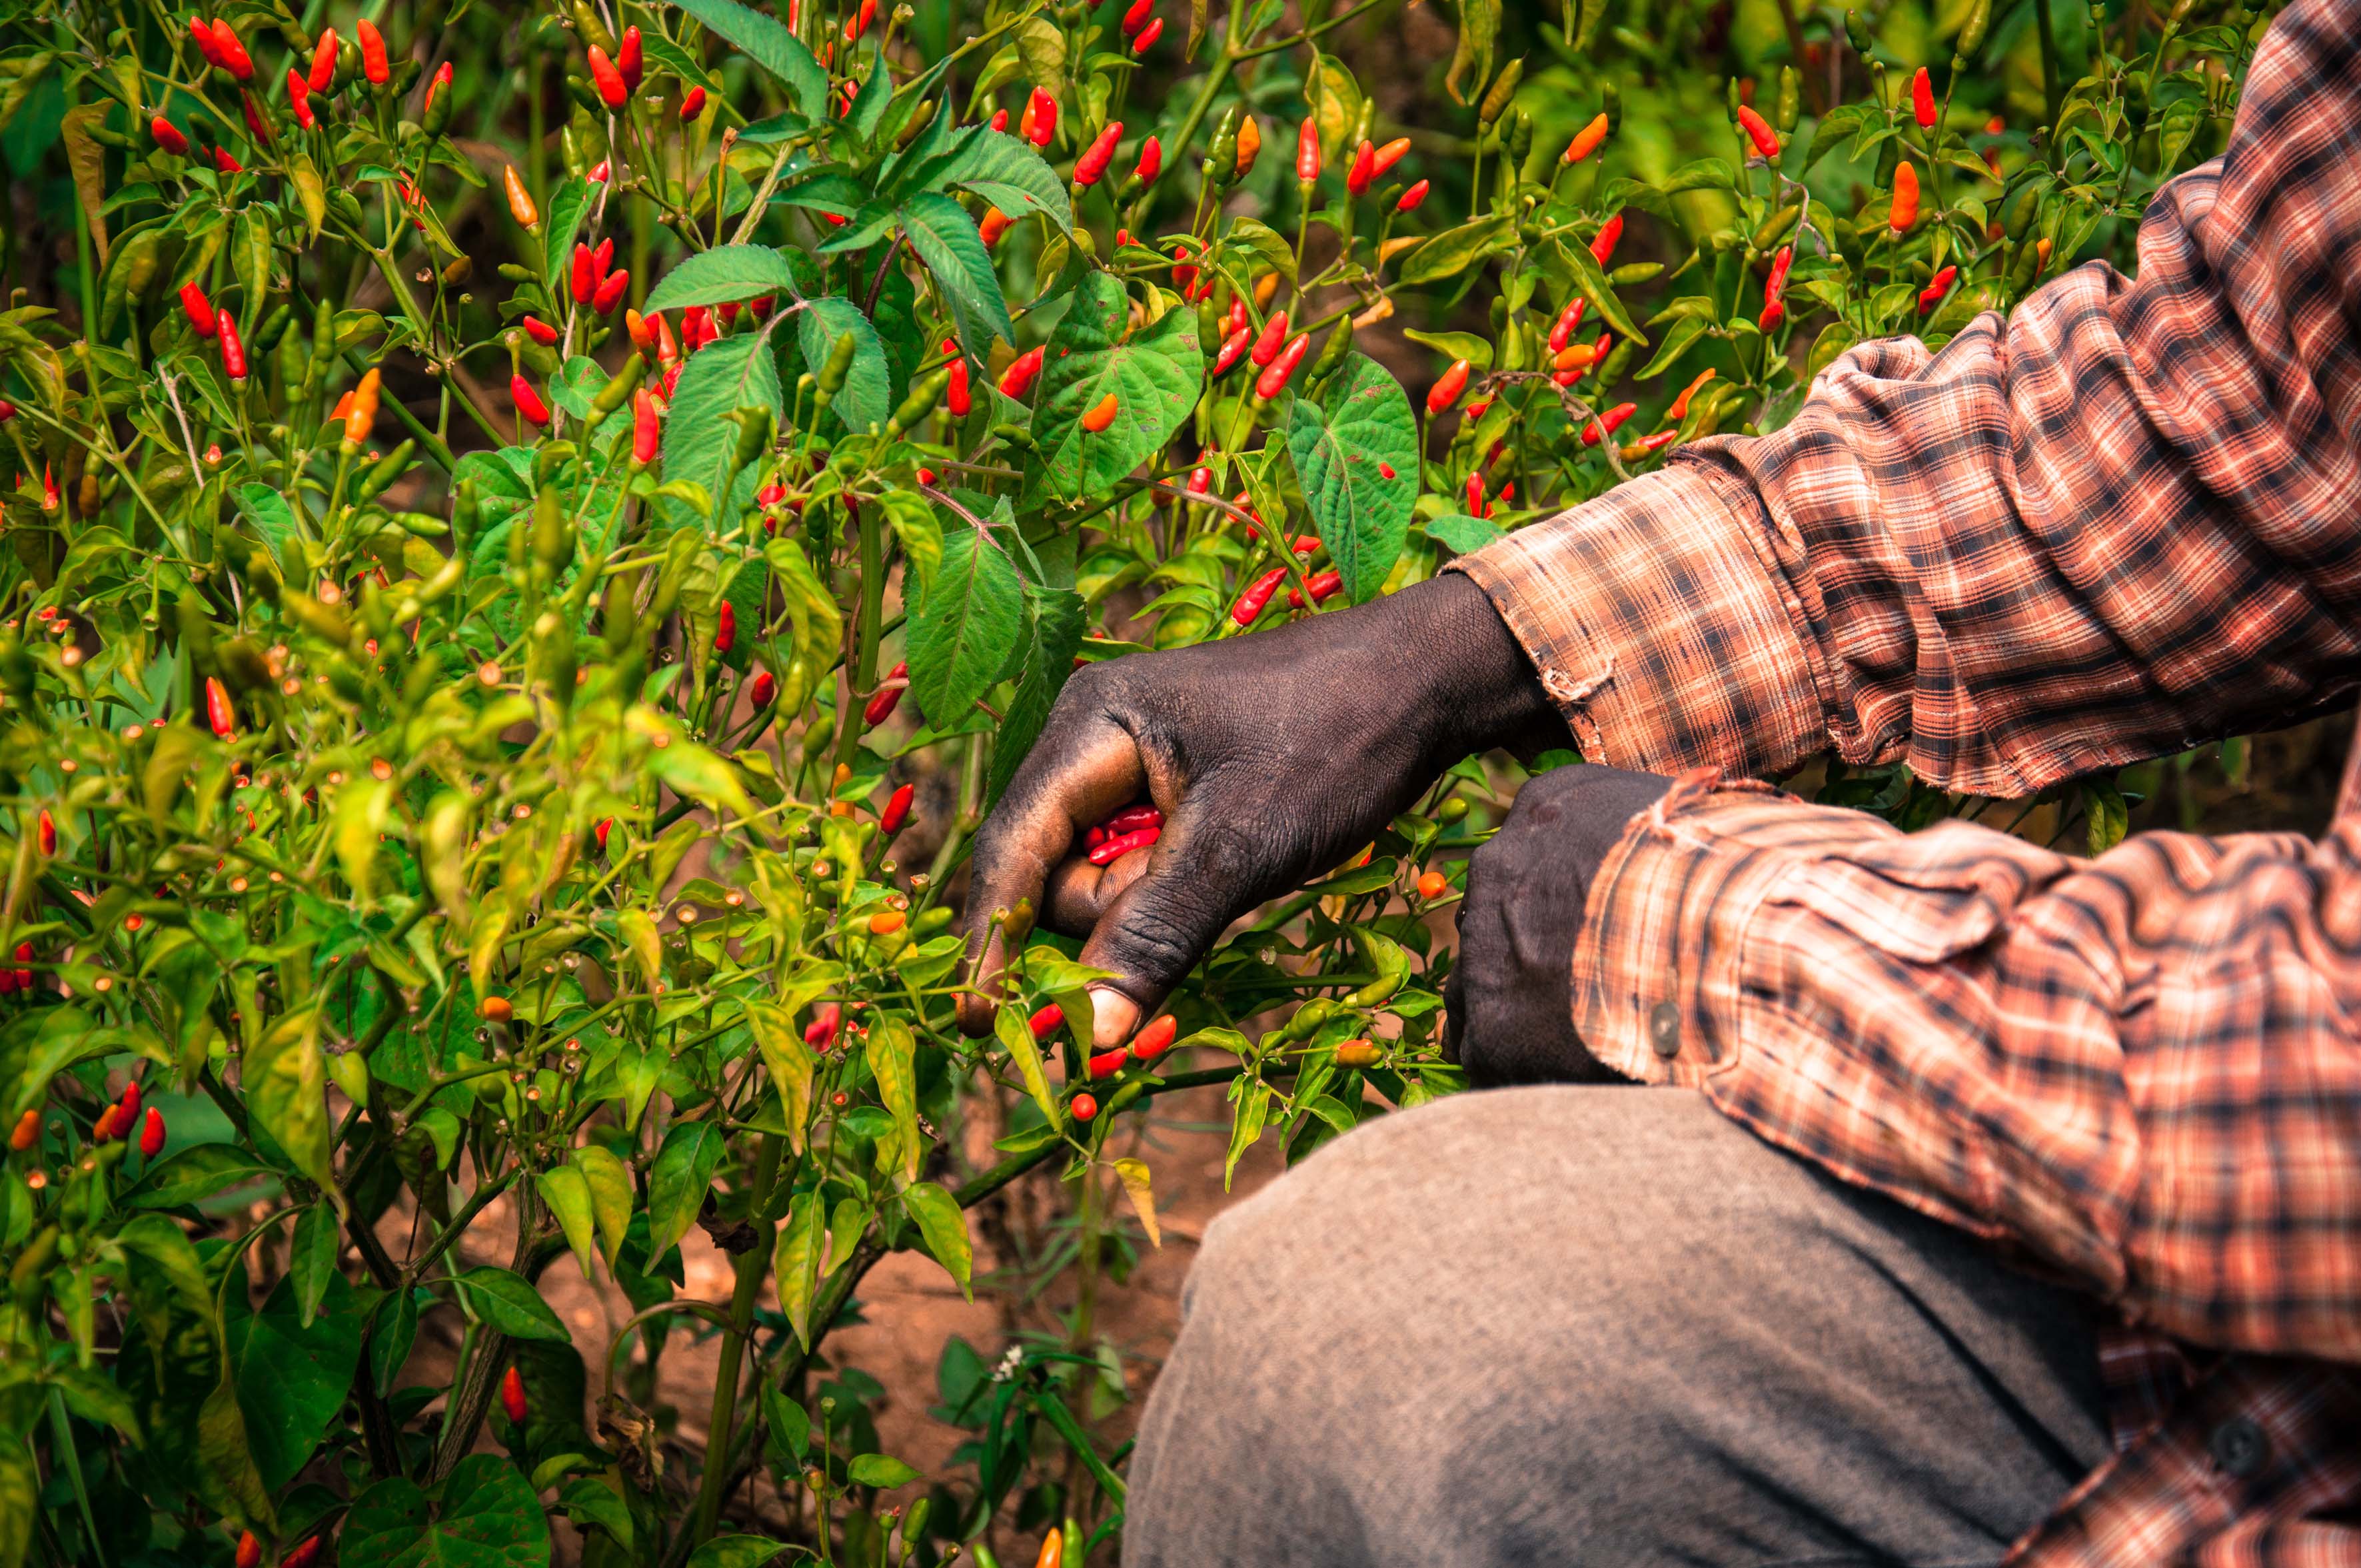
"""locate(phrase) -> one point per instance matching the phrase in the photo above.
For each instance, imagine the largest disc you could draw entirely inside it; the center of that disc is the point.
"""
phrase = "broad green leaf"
(960, 632)
(769, 44)
(589, 1501)
(699, 438)
(944, 237)
(1462, 534)
(1054, 620)
(1015, 1037)
(1454, 250)
(789, 1062)
(678, 1181)
(1009, 174)
(892, 1053)
(1355, 451)
(194, 1175)
(609, 1180)
(867, 395)
(286, 1082)
(794, 1263)
(1139, 1185)
(291, 1378)
(275, 520)
(738, 1551)
(1042, 44)
(484, 1515)
(504, 1301)
(944, 1224)
(567, 1194)
(726, 272)
(882, 1471)
(391, 1338)
(1154, 374)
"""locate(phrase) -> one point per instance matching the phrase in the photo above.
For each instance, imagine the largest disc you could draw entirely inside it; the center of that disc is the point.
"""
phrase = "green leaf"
(567, 205)
(1155, 376)
(912, 518)
(511, 1305)
(1462, 534)
(1015, 1037)
(567, 1194)
(1041, 45)
(1686, 331)
(678, 1181)
(1344, 443)
(892, 1053)
(788, 1061)
(609, 1180)
(275, 520)
(389, 1341)
(1576, 259)
(944, 1225)
(882, 1471)
(484, 1515)
(738, 1551)
(1471, 61)
(1054, 620)
(698, 439)
(726, 272)
(2110, 818)
(361, 809)
(291, 1378)
(286, 1082)
(1008, 173)
(770, 45)
(231, 1482)
(1454, 250)
(194, 1175)
(944, 237)
(795, 1262)
(1476, 351)
(1704, 174)
(312, 1260)
(867, 395)
(960, 632)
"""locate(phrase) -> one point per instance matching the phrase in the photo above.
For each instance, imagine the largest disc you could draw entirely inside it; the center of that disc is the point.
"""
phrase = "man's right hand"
(1273, 758)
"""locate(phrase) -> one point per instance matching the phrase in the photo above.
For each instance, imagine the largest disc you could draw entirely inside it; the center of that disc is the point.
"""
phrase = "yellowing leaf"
(1133, 1174)
(1009, 1026)
(789, 1062)
(568, 1197)
(893, 1061)
(361, 810)
(609, 1182)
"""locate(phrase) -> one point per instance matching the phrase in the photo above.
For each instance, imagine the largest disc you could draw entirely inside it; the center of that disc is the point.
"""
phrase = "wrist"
(1476, 683)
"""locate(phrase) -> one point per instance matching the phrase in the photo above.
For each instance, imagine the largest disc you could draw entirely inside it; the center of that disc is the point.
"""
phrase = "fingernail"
(1113, 1017)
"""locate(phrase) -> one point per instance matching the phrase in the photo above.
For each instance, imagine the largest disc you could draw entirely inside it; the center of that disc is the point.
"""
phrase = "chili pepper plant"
(534, 535)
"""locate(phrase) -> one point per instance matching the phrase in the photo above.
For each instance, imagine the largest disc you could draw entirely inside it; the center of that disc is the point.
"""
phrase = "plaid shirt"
(2124, 521)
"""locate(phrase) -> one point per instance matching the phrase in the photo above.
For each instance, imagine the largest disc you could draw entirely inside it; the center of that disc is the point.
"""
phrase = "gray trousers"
(1602, 1325)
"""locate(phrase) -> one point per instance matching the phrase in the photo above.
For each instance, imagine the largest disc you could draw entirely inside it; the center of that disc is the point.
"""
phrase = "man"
(2002, 1206)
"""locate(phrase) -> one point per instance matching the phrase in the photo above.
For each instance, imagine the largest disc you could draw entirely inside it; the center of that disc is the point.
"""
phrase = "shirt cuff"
(1658, 624)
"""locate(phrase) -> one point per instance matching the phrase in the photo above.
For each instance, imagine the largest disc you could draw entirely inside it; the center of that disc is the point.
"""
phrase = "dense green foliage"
(461, 805)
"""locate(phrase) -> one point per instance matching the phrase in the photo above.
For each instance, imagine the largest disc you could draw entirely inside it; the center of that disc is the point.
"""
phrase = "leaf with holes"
(1355, 451)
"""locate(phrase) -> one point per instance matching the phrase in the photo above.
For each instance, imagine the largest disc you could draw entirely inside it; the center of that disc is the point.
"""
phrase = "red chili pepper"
(698, 327)
(1274, 379)
(1132, 819)
(1098, 155)
(1922, 100)
(50, 500)
(202, 37)
(579, 281)
(999, 120)
(233, 348)
(1758, 130)
(151, 1135)
(1117, 845)
(255, 123)
(725, 627)
(1148, 37)
(1475, 489)
(540, 331)
(645, 427)
(302, 1555)
(762, 688)
(1136, 17)
(130, 1102)
(439, 84)
(230, 54)
(1567, 320)
(1364, 169)
(1086, 1105)
(102, 1130)
(27, 1130)
(887, 698)
(628, 58)
(529, 406)
(1585, 140)
(897, 810)
(1647, 444)
(1904, 211)
(1201, 481)
(168, 136)
(1607, 423)
(1106, 1064)
(1933, 293)
(1100, 414)
(24, 949)
(1609, 234)
(225, 163)
(692, 105)
(299, 98)
(1307, 151)
(1681, 404)
(1155, 1040)
(1046, 1020)
(219, 714)
(821, 1031)
(1233, 350)
(1273, 338)
(198, 309)
(959, 397)
(1250, 603)
(1017, 379)
(612, 92)
(1041, 114)
(1151, 161)
(1447, 387)
(513, 1401)
(1324, 585)
(323, 62)
(611, 291)
(374, 64)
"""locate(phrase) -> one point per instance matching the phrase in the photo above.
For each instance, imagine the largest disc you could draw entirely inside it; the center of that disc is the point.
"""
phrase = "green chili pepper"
(384, 472)
(924, 395)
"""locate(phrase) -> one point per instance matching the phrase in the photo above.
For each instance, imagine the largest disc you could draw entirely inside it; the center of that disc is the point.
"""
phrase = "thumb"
(1156, 931)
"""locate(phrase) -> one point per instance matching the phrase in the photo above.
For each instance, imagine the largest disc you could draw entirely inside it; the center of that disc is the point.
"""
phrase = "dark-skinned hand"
(1273, 758)
(1510, 1017)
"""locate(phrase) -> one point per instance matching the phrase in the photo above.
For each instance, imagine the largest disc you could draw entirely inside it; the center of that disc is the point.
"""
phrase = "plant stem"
(750, 1265)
